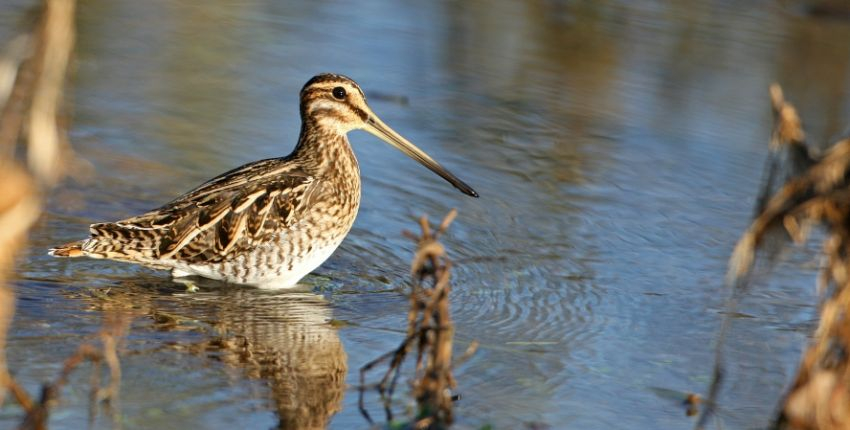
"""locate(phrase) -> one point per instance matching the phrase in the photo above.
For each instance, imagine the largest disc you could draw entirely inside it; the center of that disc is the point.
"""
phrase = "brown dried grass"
(819, 397)
(34, 69)
(429, 330)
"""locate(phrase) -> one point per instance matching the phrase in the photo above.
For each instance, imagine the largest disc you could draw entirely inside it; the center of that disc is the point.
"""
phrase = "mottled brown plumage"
(270, 222)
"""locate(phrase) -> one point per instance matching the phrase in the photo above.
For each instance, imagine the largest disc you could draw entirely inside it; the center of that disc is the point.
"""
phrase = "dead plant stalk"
(429, 330)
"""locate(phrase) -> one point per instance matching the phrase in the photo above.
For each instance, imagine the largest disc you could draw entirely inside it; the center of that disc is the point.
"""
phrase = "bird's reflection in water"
(283, 338)
(287, 340)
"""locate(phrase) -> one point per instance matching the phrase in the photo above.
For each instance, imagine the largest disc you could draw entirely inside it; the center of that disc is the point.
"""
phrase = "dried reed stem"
(430, 330)
(32, 80)
(819, 398)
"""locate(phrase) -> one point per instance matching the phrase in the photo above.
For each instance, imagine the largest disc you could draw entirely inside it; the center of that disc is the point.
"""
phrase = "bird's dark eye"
(339, 93)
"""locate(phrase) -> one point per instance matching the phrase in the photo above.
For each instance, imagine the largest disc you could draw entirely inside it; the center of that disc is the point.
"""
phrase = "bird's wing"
(239, 208)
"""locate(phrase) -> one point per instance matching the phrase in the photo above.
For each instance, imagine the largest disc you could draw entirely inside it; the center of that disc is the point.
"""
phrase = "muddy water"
(617, 149)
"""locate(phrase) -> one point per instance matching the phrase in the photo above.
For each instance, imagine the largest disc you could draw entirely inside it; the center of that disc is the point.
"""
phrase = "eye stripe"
(360, 112)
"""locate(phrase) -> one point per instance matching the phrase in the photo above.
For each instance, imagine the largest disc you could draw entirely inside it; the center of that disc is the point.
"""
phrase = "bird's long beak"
(377, 127)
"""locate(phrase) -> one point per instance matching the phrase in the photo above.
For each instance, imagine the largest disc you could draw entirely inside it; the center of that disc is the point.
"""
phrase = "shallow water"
(617, 148)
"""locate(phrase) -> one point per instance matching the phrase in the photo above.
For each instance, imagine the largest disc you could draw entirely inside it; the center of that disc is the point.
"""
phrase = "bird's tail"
(73, 249)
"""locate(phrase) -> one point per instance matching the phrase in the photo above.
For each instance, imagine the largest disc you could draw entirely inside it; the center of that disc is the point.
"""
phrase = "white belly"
(302, 267)
(278, 277)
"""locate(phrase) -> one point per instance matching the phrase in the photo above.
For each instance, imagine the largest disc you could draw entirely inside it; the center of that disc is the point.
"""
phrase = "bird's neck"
(324, 151)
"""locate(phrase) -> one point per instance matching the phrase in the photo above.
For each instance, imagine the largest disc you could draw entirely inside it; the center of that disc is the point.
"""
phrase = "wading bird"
(268, 223)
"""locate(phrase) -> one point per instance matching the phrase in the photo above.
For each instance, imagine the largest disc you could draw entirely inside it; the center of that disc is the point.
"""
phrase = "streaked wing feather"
(204, 225)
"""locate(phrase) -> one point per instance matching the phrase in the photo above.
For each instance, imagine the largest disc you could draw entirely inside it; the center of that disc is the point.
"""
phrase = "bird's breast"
(311, 239)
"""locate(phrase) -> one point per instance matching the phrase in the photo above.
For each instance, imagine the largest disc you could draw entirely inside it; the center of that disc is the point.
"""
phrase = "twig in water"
(430, 329)
(114, 327)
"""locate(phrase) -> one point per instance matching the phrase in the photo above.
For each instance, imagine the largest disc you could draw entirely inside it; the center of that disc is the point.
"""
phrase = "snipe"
(268, 223)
